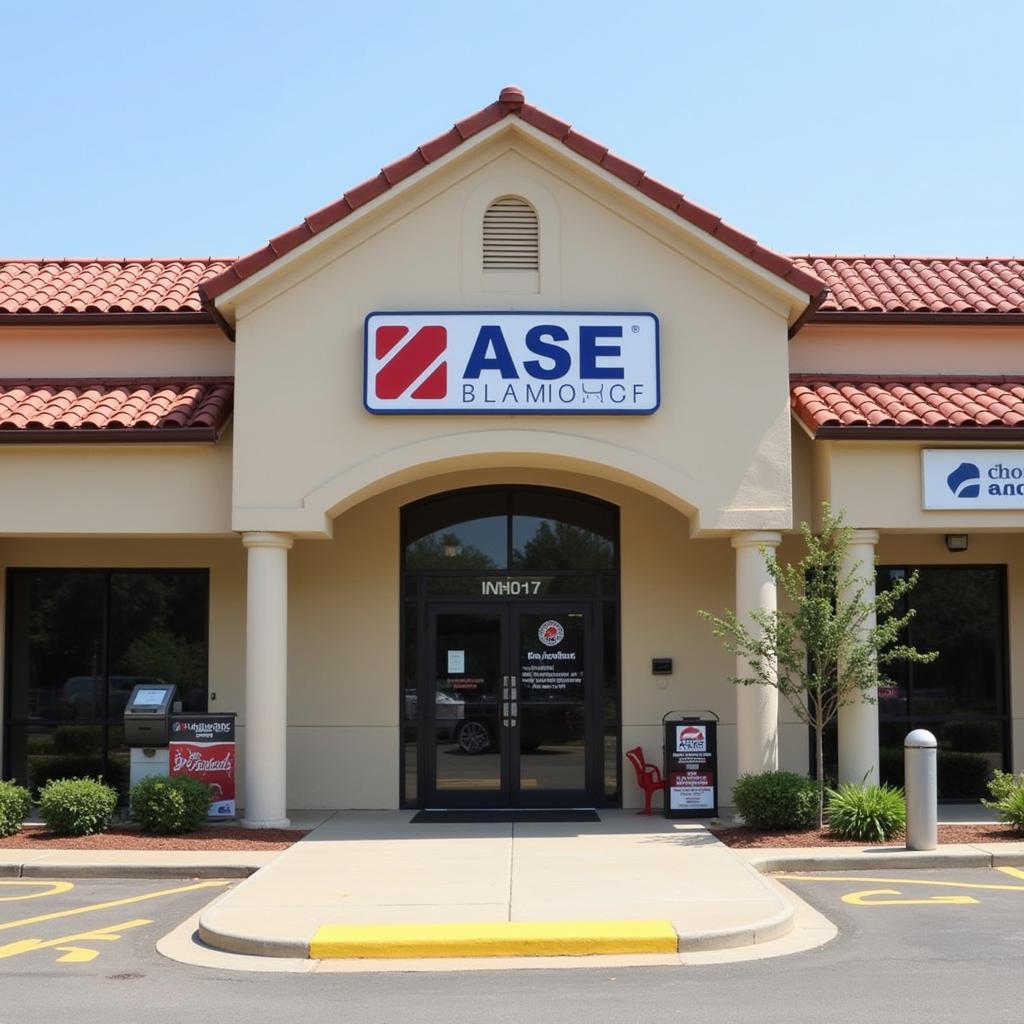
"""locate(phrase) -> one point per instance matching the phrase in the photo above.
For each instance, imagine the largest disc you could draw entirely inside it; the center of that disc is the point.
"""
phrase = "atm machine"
(147, 728)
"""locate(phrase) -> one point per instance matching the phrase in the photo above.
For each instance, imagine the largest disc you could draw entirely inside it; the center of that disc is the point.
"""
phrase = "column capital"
(756, 539)
(859, 536)
(268, 540)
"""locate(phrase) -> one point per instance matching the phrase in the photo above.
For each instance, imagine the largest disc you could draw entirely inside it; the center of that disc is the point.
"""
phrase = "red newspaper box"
(203, 747)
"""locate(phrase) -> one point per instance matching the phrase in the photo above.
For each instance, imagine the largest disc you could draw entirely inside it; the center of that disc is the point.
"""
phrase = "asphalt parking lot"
(101, 926)
(921, 914)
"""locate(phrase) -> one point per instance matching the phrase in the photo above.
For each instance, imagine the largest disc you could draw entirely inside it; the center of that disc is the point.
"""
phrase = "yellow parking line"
(1016, 872)
(55, 889)
(112, 903)
(904, 881)
(73, 954)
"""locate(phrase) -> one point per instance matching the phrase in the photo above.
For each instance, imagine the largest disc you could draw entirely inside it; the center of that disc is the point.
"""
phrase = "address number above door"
(511, 363)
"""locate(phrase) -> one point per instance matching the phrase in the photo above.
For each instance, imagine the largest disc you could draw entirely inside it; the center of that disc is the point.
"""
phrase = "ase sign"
(511, 363)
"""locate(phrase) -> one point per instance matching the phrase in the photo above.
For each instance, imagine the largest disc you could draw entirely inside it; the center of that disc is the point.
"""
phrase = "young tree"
(828, 646)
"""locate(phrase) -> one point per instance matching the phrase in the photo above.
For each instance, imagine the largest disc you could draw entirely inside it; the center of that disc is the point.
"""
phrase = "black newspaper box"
(691, 765)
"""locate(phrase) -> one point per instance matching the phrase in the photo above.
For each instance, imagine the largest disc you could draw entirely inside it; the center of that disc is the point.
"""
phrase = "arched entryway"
(510, 654)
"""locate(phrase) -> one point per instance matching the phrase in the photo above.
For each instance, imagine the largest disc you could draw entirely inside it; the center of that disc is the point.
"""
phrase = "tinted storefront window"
(78, 641)
(961, 697)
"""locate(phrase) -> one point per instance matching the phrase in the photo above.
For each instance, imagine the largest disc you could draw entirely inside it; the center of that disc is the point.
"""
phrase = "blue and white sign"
(511, 363)
(966, 478)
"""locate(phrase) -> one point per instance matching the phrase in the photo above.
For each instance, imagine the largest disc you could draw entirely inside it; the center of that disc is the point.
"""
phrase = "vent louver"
(511, 235)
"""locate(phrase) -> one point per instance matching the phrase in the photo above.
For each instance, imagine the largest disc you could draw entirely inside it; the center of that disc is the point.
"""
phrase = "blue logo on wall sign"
(965, 480)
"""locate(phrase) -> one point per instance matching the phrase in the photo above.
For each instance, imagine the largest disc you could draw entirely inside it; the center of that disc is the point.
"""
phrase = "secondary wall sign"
(965, 478)
(511, 363)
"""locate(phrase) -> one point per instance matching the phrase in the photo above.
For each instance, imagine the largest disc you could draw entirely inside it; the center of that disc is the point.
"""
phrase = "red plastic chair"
(648, 776)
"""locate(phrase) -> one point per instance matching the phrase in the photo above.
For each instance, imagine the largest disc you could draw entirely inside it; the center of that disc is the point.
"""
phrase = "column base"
(265, 823)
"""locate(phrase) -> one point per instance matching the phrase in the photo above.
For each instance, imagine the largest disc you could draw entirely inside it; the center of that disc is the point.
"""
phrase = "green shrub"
(15, 803)
(77, 807)
(1001, 786)
(776, 800)
(170, 805)
(1007, 792)
(866, 813)
(1011, 809)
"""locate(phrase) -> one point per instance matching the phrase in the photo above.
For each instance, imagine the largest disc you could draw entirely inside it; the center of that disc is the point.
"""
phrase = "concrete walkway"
(590, 884)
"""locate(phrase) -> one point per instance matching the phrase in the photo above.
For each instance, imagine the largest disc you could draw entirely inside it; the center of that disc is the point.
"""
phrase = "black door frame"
(510, 793)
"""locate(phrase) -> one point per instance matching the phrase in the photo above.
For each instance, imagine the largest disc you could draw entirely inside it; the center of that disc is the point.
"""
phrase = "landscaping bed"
(746, 838)
(213, 837)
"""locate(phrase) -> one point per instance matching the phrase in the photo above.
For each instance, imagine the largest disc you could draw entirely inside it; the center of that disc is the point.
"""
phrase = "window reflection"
(478, 544)
(539, 543)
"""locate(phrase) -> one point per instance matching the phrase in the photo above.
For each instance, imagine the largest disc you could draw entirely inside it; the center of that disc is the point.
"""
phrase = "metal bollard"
(919, 761)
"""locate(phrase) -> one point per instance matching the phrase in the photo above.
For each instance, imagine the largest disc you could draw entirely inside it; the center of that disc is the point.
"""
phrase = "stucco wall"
(113, 350)
(874, 349)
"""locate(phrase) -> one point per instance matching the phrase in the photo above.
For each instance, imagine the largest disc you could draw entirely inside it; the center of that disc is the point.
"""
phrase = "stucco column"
(757, 707)
(266, 679)
(858, 722)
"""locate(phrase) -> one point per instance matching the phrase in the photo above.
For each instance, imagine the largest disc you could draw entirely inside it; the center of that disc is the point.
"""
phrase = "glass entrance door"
(511, 716)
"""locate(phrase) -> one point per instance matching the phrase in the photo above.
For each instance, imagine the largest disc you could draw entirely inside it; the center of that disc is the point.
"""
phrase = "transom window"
(501, 529)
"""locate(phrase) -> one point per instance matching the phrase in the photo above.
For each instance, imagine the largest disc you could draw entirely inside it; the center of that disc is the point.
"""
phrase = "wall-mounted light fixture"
(956, 541)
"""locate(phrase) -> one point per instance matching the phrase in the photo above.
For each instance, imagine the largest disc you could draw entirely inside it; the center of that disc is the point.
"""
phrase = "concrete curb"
(116, 869)
(768, 860)
(776, 926)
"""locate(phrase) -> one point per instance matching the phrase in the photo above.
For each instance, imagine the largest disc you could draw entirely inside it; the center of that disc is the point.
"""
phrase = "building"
(207, 480)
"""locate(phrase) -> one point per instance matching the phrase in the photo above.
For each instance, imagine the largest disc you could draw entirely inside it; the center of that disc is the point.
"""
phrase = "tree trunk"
(819, 740)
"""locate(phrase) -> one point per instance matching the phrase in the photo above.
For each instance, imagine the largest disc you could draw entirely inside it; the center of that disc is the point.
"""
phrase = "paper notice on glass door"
(456, 661)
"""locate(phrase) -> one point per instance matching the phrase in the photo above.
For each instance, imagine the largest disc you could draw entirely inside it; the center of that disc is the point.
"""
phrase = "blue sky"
(192, 129)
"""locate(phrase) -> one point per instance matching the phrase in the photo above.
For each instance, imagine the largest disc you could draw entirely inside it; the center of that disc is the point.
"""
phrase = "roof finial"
(511, 99)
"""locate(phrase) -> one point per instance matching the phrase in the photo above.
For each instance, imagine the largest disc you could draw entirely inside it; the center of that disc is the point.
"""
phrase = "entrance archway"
(510, 653)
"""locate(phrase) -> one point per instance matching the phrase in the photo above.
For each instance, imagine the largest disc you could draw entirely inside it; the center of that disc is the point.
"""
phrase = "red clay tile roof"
(104, 286)
(911, 284)
(860, 406)
(510, 103)
(106, 410)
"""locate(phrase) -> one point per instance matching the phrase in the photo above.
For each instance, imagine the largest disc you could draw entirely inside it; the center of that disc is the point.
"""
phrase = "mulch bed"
(216, 837)
(747, 838)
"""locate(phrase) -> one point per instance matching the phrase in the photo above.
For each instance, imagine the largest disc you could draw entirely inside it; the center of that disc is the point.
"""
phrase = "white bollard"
(919, 761)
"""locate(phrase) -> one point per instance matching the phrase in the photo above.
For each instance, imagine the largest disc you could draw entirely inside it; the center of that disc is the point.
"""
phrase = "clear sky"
(194, 129)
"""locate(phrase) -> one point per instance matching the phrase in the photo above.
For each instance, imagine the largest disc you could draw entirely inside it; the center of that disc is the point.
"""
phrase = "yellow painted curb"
(493, 938)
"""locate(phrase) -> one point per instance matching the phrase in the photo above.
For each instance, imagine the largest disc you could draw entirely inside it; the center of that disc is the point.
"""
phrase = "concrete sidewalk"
(588, 885)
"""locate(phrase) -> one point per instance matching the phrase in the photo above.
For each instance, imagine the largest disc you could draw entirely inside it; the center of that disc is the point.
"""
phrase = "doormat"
(465, 817)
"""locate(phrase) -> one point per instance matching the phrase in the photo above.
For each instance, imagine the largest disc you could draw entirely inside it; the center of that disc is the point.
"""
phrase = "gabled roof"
(901, 285)
(126, 409)
(860, 407)
(510, 103)
(105, 286)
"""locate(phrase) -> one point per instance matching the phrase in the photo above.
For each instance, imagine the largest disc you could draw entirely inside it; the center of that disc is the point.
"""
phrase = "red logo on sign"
(411, 361)
(691, 733)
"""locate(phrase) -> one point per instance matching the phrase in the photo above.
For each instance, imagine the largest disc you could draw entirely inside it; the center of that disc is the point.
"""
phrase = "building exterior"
(427, 540)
